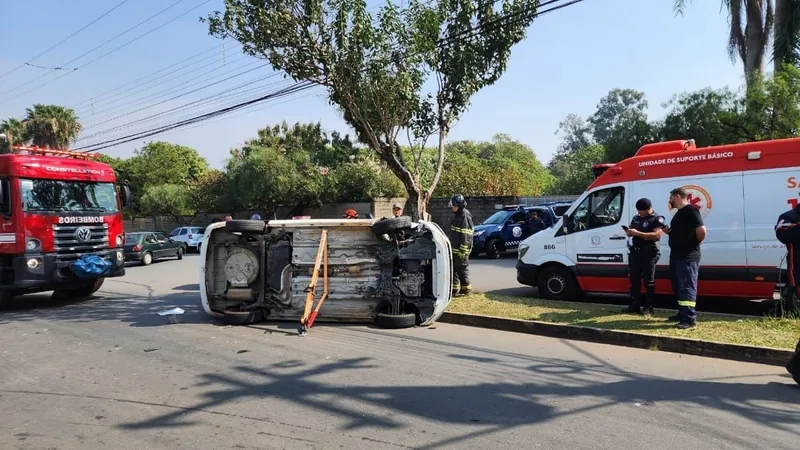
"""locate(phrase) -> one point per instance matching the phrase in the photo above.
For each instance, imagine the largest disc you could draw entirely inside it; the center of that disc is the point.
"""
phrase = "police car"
(507, 228)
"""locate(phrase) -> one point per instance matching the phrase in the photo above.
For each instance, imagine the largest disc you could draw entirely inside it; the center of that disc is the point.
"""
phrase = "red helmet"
(351, 214)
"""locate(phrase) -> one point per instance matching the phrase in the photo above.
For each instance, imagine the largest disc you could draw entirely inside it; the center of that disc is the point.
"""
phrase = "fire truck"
(59, 209)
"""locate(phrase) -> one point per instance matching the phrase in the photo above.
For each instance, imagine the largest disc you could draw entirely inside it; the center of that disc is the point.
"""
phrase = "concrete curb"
(759, 355)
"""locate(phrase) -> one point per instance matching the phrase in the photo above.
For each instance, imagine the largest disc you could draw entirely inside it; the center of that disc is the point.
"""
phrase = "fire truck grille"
(74, 241)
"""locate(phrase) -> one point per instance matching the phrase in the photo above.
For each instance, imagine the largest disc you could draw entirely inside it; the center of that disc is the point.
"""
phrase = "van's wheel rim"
(556, 284)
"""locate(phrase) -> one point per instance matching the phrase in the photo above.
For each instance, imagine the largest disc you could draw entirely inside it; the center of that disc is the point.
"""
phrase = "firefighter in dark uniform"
(788, 232)
(645, 230)
(461, 231)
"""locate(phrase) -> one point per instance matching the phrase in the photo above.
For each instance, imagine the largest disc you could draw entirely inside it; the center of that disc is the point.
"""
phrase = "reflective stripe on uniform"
(466, 231)
(687, 303)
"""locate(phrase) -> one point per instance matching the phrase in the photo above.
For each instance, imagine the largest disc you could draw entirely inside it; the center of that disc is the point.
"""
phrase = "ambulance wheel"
(494, 249)
(557, 283)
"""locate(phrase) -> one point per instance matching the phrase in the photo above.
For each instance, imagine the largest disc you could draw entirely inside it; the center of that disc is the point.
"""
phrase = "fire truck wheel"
(5, 298)
(83, 291)
(147, 259)
(391, 321)
(238, 226)
(243, 317)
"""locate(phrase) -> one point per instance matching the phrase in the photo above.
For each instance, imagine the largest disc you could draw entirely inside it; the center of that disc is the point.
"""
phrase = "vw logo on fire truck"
(697, 197)
(83, 234)
(80, 219)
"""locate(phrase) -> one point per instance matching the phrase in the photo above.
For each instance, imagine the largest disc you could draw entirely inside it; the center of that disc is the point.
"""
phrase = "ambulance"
(739, 189)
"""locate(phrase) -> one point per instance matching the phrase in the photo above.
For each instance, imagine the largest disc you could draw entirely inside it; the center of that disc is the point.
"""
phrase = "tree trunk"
(417, 204)
(756, 38)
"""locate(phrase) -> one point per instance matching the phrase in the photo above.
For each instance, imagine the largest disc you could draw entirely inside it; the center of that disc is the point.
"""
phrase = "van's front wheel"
(557, 283)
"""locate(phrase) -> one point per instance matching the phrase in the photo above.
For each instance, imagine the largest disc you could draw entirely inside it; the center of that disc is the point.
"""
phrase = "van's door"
(723, 263)
(767, 194)
(596, 242)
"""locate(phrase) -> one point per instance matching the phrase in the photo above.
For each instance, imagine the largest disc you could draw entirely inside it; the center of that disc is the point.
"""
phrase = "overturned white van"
(392, 271)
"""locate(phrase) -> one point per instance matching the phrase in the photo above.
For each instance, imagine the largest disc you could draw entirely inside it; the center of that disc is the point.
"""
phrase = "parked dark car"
(149, 246)
(505, 229)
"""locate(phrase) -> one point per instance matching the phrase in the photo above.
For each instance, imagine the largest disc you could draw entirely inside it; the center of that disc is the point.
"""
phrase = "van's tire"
(5, 298)
(386, 226)
(495, 248)
(557, 283)
(83, 291)
(147, 259)
(243, 317)
(394, 322)
(250, 226)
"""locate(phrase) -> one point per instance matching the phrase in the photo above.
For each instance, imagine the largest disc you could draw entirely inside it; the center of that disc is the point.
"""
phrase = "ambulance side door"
(595, 240)
(720, 200)
(767, 194)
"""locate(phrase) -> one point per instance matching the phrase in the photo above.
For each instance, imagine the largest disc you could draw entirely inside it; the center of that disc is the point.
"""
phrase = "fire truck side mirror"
(125, 195)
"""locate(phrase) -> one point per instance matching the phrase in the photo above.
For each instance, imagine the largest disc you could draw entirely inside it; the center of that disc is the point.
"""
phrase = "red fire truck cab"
(57, 206)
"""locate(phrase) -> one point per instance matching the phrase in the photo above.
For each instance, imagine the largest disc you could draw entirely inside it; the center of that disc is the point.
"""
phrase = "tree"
(14, 129)
(618, 105)
(699, 115)
(261, 179)
(51, 126)
(170, 200)
(575, 133)
(375, 72)
(770, 109)
(572, 172)
(786, 41)
(307, 142)
(209, 191)
(750, 25)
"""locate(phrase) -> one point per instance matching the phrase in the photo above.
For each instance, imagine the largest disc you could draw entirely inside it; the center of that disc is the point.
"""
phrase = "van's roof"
(681, 158)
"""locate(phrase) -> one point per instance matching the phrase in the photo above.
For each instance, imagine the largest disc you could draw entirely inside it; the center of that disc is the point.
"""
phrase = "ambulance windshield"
(73, 196)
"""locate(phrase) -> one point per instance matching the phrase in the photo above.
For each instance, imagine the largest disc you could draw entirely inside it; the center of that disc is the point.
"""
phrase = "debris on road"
(242, 351)
(174, 315)
(148, 350)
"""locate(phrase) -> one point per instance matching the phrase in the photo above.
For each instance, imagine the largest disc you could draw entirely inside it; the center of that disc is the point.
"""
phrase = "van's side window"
(599, 209)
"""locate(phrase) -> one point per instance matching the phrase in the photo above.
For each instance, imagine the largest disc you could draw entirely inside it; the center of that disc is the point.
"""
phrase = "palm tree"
(52, 126)
(15, 132)
(786, 42)
(751, 24)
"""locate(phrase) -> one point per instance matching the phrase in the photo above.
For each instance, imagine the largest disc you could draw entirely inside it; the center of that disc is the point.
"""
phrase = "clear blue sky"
(570, 59)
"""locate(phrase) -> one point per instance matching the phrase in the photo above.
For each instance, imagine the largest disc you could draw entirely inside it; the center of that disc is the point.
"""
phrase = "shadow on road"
(108, 305)
(500, 406)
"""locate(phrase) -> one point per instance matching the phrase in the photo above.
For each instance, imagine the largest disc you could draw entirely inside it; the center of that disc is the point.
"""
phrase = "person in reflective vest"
(461, 231)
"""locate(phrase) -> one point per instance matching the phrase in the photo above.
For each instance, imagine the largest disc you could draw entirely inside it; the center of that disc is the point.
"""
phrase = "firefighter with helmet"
(461, 230)
(787, 230)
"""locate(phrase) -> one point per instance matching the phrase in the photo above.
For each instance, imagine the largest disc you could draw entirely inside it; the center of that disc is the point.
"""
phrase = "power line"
(495, 24)
(114, 107)
(134, 82)
(181, 95)
(28, 62)
(117, 48)
(297, 87)
(211, 97)
(197, 105)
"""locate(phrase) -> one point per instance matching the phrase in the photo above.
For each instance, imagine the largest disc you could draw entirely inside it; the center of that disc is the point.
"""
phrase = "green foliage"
(14, 129)
(375, 70)
(51, 126)
(168, 199)
(502, 167)
(572, 171)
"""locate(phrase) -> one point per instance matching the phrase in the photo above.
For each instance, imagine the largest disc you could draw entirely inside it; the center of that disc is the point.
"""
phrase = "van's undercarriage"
(390, 271)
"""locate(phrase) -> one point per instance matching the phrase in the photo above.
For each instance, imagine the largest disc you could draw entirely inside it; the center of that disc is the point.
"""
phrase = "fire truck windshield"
(74, 196)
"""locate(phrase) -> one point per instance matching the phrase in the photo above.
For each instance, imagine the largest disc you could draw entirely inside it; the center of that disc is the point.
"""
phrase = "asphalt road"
(110, 373)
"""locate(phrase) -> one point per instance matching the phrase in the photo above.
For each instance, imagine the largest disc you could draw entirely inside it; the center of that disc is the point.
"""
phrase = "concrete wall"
(480, 207)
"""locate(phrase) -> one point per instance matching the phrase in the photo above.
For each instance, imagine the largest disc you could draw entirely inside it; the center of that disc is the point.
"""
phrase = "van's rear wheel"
(557, 283)
(243, 317)
(395, 321)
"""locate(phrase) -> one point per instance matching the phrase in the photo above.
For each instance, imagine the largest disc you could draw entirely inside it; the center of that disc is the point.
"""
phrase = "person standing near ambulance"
(645, 230)
(788, 232)
(686, 233)
(461, 232)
